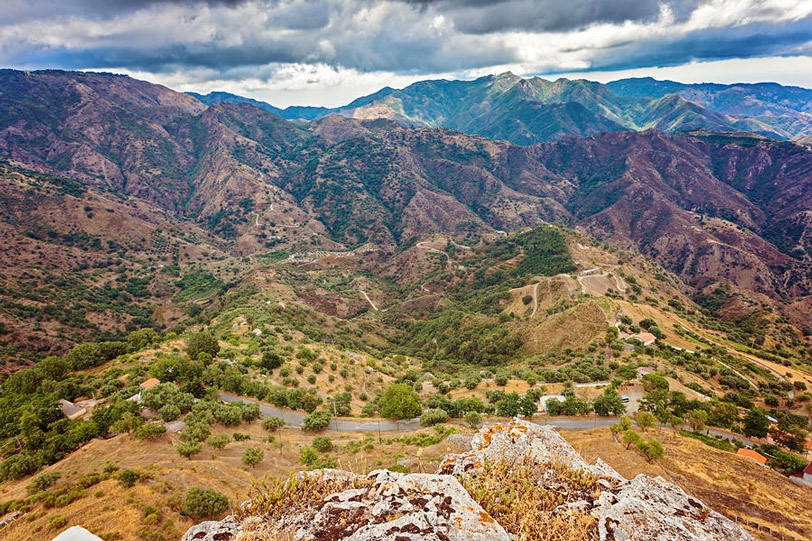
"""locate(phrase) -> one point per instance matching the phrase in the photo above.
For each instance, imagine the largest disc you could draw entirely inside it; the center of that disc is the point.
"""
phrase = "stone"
(516, 440)
(211, 530)
(406, 507)
(651, 508)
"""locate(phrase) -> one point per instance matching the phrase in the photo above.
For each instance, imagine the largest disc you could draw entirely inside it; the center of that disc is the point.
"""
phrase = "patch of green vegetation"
(197, 285)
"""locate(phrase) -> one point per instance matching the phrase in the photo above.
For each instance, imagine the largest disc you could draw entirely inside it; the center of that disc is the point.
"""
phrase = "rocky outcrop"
(408, 507)
(386, 506)
(650, 508)
(516, 440)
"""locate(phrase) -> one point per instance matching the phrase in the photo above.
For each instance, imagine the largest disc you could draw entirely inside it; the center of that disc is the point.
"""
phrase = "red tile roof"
(150, 383)
(752, 455)
(808, 469)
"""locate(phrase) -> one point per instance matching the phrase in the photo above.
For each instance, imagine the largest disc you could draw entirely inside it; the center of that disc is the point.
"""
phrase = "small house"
(646, 338)
(753, 455)
(803, 477)
(71, 410)
(149, 384)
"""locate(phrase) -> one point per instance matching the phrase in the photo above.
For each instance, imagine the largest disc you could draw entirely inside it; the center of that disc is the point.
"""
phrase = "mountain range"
(527, 111)
(218, 176)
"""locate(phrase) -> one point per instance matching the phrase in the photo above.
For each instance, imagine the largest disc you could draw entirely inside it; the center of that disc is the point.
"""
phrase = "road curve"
(294, 419)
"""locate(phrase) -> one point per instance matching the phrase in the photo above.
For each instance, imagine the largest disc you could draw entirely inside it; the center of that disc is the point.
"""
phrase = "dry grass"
(122, 510)
(727, 483)
(529, 499)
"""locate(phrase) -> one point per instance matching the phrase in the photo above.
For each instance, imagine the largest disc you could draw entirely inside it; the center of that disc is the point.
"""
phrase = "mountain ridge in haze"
(512, 108)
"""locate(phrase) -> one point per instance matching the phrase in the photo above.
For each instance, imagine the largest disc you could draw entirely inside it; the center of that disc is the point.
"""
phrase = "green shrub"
(272, 424)
(318, 420)
(253, 456)
(322, 444)
(473, 418)
(204, 503)
(57, 522)
(240, 437)
(218, 441)
(433, 416)
(149, 431)
(128, 478)
(42, 482)
(189, 448)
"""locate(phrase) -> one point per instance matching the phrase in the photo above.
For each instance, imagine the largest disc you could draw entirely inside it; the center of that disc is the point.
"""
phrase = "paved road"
(294, 419)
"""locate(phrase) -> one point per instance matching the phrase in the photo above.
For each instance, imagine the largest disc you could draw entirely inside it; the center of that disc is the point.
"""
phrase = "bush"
(42, 482)
(204, 503)
(322, 444)
(218, 441)
(202, 342)
(128, 478)
(473, 419)
(433, 416)
(149, 431)
(501, 378)
(57, 522)
(18, 466)
(651, 449)
(318, 420)
(253, 456)
(189, 448)
(399, 401)
(272, 424)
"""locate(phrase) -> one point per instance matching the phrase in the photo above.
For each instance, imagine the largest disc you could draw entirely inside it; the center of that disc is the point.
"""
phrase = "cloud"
(262, 40)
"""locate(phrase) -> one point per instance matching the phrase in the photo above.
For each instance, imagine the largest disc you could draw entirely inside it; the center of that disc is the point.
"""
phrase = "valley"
(196, 293)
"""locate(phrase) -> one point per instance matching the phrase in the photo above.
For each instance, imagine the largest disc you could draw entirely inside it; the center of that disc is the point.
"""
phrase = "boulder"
(513, 441)
(389, 505)
(651, 508)
(220, 530)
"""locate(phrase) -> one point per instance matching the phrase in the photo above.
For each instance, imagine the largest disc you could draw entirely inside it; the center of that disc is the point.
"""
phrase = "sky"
(328, 52)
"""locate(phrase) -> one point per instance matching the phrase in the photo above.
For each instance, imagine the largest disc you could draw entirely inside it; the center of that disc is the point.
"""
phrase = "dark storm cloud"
(756, 40)
(232, 37)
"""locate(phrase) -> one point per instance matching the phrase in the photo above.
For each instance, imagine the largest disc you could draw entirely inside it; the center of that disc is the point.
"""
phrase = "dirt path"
(372, 304)
(535, 299)
(422, 246)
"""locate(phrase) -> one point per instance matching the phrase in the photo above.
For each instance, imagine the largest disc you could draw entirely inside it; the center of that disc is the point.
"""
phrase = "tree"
(318, 420)
(756, 423)
(399, 401)
(202, 342)
(271, 360)
(473, 419)
(149, 431)
(84, 356)
(204, 503)
(433, 416)
(696, 419)
(253, 456)
(652, 449)
(645, 420)
(272, 424)
(322, 444)
(189, 448)
(630, 437)
(609, 403)
(141, 339)
(723, 414)
(218, 441)
(128, 478)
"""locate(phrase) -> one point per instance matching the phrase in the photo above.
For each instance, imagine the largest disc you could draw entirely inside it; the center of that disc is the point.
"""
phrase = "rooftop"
(752, 455)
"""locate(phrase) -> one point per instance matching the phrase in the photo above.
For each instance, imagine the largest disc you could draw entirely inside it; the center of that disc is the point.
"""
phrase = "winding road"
(294, 419)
